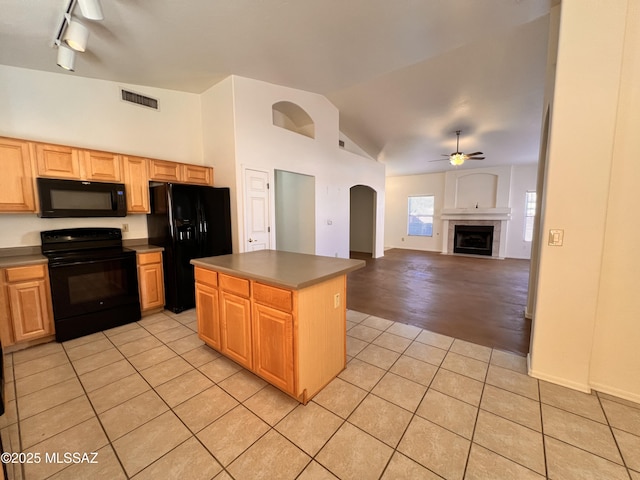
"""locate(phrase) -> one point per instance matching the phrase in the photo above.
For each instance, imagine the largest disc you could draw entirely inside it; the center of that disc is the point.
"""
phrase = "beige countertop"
(286, 269)
(145, 248)
(23, 256)
(22, 260)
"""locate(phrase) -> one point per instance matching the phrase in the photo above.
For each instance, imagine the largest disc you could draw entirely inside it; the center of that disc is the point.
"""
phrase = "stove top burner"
(55, 242)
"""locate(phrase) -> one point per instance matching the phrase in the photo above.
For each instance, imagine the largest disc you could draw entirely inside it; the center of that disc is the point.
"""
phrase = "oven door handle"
(86, 262)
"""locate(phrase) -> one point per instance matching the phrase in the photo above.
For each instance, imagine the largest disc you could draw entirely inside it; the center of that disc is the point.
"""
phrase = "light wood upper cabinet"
(136, 183)
(101, 166)
(57, 161)
(22, 161)
(163, 171)
(16, 180)
(197, 174)
(27, 304)
(150, 281)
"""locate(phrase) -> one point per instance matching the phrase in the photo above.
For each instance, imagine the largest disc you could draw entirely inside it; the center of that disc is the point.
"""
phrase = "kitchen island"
(281, 315)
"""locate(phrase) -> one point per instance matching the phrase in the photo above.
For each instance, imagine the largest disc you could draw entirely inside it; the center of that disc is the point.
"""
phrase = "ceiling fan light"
(91, 9)
(76, 36)
(456, 159)
(66, 58)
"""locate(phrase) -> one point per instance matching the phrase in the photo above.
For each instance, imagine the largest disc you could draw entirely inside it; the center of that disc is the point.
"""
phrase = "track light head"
(76, 35)
(66, 58)
(91, 9)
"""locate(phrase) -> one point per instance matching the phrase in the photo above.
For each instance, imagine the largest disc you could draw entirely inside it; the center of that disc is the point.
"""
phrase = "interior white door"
(256, 210)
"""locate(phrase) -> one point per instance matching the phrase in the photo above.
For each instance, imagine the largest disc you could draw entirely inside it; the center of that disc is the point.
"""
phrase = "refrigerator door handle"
(202, 229)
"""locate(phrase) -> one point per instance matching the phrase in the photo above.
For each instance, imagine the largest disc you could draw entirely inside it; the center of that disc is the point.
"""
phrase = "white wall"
(65, 109)
(228, 127)
(586, 326)
(219, 143)
(262, 146)
(615, 363)
(398, 190)
(71, 110)
(486, 187)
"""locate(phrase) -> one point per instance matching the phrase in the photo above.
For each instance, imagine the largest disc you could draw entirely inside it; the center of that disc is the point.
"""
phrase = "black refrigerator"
(189, 221)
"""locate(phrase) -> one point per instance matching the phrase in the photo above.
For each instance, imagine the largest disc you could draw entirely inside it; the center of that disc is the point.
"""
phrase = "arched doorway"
(362, 221)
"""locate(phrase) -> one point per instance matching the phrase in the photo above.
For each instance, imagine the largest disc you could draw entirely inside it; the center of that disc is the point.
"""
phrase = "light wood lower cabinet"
(26, 304)
(235, 319)
(150, 282)
(207, 307)
(294, 339)
(273, 346)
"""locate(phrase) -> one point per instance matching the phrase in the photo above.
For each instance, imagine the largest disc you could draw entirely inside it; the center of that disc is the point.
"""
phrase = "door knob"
(250, 240)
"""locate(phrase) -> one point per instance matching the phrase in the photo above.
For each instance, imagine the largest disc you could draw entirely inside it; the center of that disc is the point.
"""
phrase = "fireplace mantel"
(476, 213)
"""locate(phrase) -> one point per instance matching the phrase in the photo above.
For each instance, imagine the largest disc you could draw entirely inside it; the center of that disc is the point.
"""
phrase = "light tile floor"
(156, 403)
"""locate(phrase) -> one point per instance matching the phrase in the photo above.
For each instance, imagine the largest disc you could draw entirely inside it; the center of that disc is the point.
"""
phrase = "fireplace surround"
(499, 234)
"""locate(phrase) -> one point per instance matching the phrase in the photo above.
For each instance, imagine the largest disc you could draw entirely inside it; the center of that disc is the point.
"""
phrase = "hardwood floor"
(480, 300)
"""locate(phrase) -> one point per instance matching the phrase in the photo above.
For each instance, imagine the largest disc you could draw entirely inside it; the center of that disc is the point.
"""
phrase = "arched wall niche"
(292, 117)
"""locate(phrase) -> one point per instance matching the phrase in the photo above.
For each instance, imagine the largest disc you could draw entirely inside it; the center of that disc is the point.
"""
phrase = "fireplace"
(473, 239)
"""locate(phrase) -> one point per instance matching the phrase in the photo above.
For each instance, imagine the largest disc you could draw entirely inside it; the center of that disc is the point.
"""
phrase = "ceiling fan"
(458, 158)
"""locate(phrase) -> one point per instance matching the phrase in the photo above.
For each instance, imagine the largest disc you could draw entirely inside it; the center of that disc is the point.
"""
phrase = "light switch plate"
(556, 238)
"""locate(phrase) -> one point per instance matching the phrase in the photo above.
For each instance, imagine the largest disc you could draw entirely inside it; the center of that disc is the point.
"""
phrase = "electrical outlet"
(336, 300)
(125, 227)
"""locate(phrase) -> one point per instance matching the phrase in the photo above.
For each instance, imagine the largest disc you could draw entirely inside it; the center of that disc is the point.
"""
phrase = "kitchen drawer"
(20, 274)
(208, 277)
(148, 258)
(277, 298)
(239, 286)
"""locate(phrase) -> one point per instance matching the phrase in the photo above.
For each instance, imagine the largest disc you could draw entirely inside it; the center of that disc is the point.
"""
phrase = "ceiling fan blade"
(473, 154)
(476, 158)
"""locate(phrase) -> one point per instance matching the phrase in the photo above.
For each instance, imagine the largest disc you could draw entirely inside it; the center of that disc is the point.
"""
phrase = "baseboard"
(557, 380)
(527, 314)
(616, 392)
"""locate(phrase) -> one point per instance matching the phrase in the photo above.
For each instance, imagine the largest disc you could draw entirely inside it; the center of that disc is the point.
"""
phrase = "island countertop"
(286, 269)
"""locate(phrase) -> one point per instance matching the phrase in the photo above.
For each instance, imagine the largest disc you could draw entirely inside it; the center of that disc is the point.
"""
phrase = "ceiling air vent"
(138, 99)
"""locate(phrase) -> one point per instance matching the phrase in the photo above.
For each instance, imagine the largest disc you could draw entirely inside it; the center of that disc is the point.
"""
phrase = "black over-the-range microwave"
(76, 198)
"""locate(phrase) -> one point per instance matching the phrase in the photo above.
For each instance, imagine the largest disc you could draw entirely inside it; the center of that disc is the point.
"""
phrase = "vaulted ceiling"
(405, 74)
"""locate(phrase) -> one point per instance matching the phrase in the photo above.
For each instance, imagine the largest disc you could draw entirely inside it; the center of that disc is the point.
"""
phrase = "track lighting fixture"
(66, 58)
(91, 9)
(76, 35)
(72, 36)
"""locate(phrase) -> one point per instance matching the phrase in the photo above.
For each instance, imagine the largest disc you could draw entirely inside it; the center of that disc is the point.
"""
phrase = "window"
(529, 215)
(421, 215)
